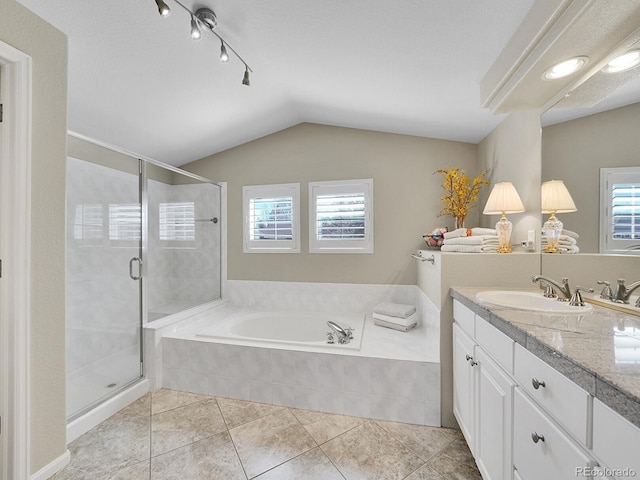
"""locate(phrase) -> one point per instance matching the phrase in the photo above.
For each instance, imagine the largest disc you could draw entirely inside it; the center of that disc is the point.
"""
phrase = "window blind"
(87, 223)
(340, 216)
(125, 221)
(271, 218)
(178, 221)
(625, 211)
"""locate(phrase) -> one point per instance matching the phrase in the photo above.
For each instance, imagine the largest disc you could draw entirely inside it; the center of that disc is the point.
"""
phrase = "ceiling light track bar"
(207, 18)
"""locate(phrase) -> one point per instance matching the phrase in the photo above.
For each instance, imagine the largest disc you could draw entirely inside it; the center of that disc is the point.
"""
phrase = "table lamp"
(503, 199)
(555, 199)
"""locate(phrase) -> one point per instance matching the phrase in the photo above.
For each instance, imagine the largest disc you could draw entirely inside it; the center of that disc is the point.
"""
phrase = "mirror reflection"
(590, 141)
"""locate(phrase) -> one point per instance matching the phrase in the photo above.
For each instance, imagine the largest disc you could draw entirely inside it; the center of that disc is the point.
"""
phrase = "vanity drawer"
(540, 449)
(465, 318)
(616, 441)
(562, 398)
(496, 343)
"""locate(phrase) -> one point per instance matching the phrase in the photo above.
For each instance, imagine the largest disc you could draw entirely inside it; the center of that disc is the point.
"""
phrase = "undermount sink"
(530, 301)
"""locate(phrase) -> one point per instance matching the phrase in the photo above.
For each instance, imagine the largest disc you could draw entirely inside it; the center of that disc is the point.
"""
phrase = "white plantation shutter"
(271, 218)
(178, 221)
(88, 222)
(341, 216)
(620, 210)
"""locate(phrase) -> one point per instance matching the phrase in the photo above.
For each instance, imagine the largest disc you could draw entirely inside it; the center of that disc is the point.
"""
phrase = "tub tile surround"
(583, 348)
(404, 386)
(234, 439)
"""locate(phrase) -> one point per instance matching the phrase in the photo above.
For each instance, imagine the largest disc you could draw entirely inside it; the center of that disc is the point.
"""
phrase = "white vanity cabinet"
(483, 392)
(616, 441)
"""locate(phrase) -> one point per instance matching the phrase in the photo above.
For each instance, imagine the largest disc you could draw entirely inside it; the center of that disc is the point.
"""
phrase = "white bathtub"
(304, 328)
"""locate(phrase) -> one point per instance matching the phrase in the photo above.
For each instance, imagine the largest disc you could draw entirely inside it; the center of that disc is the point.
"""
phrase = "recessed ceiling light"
(567, 67)
(624, 62)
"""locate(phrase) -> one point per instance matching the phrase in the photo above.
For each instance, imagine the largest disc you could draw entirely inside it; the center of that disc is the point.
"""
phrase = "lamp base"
(552, 229)
(503, 229)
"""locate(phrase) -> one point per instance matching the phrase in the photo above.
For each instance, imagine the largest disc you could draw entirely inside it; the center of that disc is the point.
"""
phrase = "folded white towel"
(470, 248)
(405, 322)
(562, 240)
(566, 248)
(474, 240)
(467, 232)
(571, 234)
(395, 326)
(394, 309)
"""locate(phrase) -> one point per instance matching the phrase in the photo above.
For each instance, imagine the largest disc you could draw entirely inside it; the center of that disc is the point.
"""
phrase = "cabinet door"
(464, 384)
(494, 415)
(540, 449)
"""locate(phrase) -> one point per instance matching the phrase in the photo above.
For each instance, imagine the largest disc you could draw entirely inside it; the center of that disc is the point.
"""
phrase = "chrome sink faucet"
(623, 292)
(564, 289)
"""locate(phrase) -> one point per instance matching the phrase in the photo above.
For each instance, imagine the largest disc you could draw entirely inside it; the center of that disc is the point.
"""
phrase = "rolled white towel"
(483, 231)
(474, 240)
(395, 326)
(458, 232)
(562, 240)
(399, 310)
(571, 234)
(405, 322)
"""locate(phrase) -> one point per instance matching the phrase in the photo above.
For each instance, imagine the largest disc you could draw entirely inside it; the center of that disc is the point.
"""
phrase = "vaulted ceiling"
(138, 81)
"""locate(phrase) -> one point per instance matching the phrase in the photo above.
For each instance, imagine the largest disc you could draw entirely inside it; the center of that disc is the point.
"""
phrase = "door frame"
(15, 248)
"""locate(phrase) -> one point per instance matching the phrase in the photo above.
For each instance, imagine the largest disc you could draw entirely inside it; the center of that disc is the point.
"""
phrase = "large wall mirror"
(596, 126)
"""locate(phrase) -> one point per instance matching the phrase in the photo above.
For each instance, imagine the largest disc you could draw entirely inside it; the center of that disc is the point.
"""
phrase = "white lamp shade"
(556, 198)
(503, 199)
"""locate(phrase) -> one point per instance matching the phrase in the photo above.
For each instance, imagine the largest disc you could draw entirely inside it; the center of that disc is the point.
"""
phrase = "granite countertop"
(599, 351)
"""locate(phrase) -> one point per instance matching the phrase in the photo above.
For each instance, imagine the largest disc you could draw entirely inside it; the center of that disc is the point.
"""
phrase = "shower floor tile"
(178, 435)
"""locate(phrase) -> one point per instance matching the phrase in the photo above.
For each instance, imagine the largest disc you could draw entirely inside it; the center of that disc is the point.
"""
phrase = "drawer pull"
(536, 437)
(537, 383)
(471, 361)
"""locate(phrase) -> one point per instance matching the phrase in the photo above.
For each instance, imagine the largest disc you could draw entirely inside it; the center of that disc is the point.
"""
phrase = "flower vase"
(459, 222)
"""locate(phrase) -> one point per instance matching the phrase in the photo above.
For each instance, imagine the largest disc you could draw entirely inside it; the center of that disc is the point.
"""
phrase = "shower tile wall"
(102, 301)
(181, 274)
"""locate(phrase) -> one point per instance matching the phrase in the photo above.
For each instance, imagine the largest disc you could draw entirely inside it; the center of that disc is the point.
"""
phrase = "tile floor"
(178, 435)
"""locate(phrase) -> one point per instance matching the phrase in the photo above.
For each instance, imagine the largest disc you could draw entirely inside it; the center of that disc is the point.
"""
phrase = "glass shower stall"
(143, 242)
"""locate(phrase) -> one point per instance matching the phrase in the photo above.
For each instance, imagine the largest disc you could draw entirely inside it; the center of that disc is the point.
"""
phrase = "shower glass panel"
(183, 243)
(104, 241)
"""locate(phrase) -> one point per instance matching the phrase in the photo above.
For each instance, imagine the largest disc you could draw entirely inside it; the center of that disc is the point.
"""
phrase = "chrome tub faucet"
(345, 335)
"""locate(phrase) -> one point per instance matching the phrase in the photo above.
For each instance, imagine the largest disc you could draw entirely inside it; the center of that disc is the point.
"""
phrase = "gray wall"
(48, 50)
(406, 197)
(574, 151)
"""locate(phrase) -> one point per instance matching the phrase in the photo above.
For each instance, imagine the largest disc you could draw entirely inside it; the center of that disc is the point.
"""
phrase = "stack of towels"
(567, 242)
(471, 240)
(395, 315)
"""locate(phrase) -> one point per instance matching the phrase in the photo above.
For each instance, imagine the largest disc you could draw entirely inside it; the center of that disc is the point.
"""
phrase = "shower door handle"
(139, 276)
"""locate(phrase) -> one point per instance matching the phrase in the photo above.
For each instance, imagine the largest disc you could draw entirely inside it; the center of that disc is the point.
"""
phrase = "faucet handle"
(576, 298)
(549, 292)
(606, 293)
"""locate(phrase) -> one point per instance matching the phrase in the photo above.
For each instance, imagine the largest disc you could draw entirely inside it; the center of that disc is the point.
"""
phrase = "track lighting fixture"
(224, 56)
(163, 8)
(195, 29)
(205, 17)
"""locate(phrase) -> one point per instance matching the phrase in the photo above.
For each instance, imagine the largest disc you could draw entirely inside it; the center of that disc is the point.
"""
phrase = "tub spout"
(344, 334)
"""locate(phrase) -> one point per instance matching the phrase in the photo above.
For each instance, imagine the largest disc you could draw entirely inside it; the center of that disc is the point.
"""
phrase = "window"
(341, 216)
(125, 221)
(620, 210)
(87, 224)
(271, 218)
(178, 221)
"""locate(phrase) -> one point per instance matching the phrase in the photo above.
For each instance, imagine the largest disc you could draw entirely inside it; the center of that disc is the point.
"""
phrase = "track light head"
(224, 56)
(245, 80)
(207, 17)
(163, 8)
(195, 29)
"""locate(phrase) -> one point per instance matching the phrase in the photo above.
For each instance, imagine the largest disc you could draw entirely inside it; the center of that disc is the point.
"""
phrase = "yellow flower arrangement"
(461, 192)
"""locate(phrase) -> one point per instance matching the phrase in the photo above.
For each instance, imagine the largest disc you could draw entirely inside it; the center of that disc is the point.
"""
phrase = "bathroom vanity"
(547, 396)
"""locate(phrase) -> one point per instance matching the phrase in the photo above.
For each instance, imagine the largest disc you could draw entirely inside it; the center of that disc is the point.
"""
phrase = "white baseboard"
(52, 468)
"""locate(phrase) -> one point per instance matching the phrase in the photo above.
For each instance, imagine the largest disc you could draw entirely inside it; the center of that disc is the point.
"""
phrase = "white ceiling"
(139, 82)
